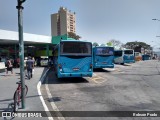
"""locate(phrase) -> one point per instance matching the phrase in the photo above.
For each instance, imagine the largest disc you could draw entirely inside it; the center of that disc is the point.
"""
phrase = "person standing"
(9, 66)
(30, 66)
(34, 65)
(25, 68)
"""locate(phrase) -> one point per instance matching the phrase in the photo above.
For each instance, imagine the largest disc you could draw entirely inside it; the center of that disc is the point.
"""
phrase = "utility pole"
(21, 49)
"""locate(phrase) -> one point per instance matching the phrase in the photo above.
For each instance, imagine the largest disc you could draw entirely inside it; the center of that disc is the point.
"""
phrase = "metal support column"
(21, 49)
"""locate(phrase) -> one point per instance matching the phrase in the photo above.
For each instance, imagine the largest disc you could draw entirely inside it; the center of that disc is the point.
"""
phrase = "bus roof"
(102, 46)
(117, 50)
(128, 49)
(73, 40)
(124, 50)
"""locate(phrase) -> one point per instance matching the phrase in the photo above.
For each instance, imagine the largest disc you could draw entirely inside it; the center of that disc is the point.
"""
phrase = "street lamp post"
(156, 19)
(157, 36)
(156, 42)
(21, 49)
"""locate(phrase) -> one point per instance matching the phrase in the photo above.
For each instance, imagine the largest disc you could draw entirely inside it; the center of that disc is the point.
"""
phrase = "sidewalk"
(8, 86)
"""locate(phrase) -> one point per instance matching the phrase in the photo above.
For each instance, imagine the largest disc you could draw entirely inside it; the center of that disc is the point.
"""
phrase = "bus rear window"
(76, 48)
(104, 51)
(117, 53)
(128, 52)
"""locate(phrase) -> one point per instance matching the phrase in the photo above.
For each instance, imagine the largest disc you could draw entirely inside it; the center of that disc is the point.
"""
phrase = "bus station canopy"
(11, 37)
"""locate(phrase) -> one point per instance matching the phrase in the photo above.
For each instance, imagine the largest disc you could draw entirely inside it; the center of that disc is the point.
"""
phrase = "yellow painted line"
(104, 79)
(118, 69)
(99, 82)
(97, 78)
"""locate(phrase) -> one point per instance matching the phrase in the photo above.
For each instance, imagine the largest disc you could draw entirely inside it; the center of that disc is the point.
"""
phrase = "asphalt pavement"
(129, 87)
(125, 88)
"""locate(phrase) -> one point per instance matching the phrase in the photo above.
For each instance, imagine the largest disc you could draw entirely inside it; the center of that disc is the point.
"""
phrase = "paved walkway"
(8, 86)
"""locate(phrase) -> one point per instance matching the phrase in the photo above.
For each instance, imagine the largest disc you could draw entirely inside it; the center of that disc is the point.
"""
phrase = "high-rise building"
(62, 22)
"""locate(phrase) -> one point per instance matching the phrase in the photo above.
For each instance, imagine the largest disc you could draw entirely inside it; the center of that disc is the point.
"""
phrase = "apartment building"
(62, 22)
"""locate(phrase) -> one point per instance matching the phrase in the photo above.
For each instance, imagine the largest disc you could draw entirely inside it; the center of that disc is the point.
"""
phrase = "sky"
(96, 20)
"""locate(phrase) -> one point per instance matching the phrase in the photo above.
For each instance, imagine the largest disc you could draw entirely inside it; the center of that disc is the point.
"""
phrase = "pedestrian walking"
(34, 65)
(30, 67)
(25, 68)
(9, 66)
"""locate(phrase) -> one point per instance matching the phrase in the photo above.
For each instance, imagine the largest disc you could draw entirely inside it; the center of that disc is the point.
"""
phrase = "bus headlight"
(90, 67)
(60, 67)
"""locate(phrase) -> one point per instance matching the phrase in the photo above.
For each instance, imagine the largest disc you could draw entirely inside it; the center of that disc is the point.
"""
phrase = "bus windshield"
(128, 51)
(76, 48)
(104, 51)
(117, 53)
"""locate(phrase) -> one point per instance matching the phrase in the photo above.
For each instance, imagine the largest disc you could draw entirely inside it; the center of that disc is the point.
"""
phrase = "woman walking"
(9, 66)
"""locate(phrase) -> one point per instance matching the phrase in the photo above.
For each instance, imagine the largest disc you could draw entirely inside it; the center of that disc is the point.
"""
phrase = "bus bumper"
(62, 75)
(104, 66)
(129, 61)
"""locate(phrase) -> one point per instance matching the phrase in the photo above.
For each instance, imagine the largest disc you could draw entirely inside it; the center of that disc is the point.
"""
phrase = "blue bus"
(103, 57)
(73, 58)
(124, 56)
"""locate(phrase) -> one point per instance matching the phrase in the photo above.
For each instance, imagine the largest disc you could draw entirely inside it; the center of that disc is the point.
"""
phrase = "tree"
(109, 44)
(102, 45)
(139, 47)
(95, 44)
(133, 45)
(115, 43)
(73, 35)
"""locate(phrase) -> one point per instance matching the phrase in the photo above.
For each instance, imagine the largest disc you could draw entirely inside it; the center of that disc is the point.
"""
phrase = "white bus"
(124, 56)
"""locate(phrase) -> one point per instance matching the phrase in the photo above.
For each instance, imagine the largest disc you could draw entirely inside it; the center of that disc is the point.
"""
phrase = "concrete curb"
(40, 94)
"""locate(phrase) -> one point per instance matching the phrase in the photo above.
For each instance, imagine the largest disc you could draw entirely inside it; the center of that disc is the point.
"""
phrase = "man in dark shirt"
(29, 66)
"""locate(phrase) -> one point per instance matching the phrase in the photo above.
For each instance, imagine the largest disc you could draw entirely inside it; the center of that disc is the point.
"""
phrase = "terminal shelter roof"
(11, 37)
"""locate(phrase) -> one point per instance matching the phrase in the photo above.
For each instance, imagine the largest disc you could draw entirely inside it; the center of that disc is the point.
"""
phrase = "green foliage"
(73, 35)
(115, 43)
(109, 44)
(102, 45)
(95, 44)
(132, 45)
